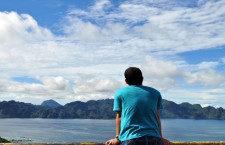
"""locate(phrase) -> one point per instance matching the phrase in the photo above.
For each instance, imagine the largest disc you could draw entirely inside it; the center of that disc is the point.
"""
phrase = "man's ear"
(126, 81)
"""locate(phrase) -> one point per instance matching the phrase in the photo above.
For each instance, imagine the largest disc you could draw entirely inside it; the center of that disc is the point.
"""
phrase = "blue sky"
(78, 49)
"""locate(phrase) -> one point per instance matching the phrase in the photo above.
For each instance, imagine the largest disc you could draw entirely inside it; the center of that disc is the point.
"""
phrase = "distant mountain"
(13, 109)
(189, 111)
(102, 109)
(50, 103)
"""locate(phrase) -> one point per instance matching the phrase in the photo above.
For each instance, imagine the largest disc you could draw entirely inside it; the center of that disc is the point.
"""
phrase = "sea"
(94, 130)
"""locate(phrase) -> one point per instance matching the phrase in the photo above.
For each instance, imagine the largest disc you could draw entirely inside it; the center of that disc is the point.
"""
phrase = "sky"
(70, 50)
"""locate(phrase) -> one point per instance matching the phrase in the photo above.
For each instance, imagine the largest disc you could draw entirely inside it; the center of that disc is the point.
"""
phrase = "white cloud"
(207, 65)
(223, 60)
(205, 105)
(84, 88)
(56, 83)
(206, 77)
(89, 84)
(159, 73)
(79, 30)
(25, 45)
(201, 66)
(157, 68)
(166, 74)
(165, 31)
(17, 29)
(87, 97)
(194, 95)
(100, 44)
(101, 5)
(108, 40)
(51, 87)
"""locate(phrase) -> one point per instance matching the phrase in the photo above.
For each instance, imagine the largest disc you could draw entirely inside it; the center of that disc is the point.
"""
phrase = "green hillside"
(102, 109)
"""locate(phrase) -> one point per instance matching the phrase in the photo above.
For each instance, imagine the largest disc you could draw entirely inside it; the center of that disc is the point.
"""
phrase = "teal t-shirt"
(139, 105)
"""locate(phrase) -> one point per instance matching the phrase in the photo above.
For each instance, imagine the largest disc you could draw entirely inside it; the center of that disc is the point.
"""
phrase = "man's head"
(133, 76)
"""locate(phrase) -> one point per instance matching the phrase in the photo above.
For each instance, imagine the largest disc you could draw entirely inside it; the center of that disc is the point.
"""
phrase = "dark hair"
(133, 76)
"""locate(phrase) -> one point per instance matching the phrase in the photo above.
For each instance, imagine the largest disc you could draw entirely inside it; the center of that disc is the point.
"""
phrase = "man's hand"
(166, 142)
(114, 141)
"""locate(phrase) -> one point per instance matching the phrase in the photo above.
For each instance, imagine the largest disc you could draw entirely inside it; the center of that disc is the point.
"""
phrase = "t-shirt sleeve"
(159, 105)
(117, 102)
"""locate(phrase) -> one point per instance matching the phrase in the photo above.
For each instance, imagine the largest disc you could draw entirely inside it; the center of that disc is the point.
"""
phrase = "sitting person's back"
(137, 107)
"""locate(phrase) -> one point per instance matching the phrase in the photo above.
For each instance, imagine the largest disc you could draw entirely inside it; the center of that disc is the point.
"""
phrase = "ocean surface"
(91, 130)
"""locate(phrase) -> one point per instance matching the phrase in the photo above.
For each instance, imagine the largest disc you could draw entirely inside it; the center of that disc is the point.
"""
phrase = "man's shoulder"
(123, 89)
(134, 87)
(150, 89)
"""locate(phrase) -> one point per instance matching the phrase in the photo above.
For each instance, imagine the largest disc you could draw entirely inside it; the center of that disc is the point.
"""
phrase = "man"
(137, 107)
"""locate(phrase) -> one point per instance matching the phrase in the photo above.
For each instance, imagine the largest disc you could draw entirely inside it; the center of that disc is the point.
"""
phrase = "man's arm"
(165, 141)
(160, 128)
(116, 141)
(118, 121)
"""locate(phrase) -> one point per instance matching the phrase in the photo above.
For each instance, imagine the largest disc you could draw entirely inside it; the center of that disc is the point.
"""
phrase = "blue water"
(89, 130)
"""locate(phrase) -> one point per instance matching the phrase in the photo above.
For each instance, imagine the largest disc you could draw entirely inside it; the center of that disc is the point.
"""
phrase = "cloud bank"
(87, 60)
